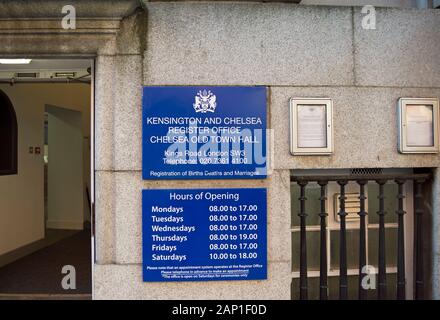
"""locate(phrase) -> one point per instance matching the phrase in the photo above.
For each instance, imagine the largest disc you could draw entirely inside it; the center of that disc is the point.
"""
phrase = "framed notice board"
(204, 133)
(204, 234)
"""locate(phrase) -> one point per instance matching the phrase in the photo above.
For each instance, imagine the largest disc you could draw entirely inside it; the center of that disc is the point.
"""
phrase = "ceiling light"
(15, 61)
(64, 74)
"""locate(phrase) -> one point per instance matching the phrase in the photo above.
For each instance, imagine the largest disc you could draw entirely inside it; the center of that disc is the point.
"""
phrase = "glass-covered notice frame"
(311, 129)
(418, 125)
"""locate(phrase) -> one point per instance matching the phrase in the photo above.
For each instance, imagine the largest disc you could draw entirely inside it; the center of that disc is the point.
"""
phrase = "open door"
(65, 201)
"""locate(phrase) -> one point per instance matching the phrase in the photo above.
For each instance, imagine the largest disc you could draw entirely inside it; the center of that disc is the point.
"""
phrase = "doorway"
(45, 209)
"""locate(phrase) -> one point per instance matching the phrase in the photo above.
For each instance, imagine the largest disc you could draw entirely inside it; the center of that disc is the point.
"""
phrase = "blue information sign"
(204, 132)
(204, 234)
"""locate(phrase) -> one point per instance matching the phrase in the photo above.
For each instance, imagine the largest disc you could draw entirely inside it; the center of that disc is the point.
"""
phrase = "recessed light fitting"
(15, 61)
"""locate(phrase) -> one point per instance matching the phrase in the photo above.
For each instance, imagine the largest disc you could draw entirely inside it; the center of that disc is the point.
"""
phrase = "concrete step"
(24, 296)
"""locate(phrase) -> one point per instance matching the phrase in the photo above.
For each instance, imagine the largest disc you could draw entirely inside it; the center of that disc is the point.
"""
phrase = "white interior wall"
(22, 195)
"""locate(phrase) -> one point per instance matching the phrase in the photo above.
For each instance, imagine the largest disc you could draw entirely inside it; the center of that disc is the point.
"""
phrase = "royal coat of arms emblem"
(205, 101)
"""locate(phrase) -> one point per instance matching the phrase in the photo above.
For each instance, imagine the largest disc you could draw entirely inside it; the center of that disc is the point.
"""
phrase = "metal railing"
(362, 180)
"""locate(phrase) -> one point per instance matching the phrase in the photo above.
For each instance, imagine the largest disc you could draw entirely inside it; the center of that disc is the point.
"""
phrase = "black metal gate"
(362, 181)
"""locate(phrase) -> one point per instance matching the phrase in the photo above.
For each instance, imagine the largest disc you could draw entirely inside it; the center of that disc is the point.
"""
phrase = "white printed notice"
(312, 126)
(419, 125)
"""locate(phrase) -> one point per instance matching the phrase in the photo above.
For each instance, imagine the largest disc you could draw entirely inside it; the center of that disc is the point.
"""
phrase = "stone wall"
(295, 51)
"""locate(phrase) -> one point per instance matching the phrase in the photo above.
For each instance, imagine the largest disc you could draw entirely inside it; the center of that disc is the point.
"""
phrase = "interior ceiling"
(48, 65)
